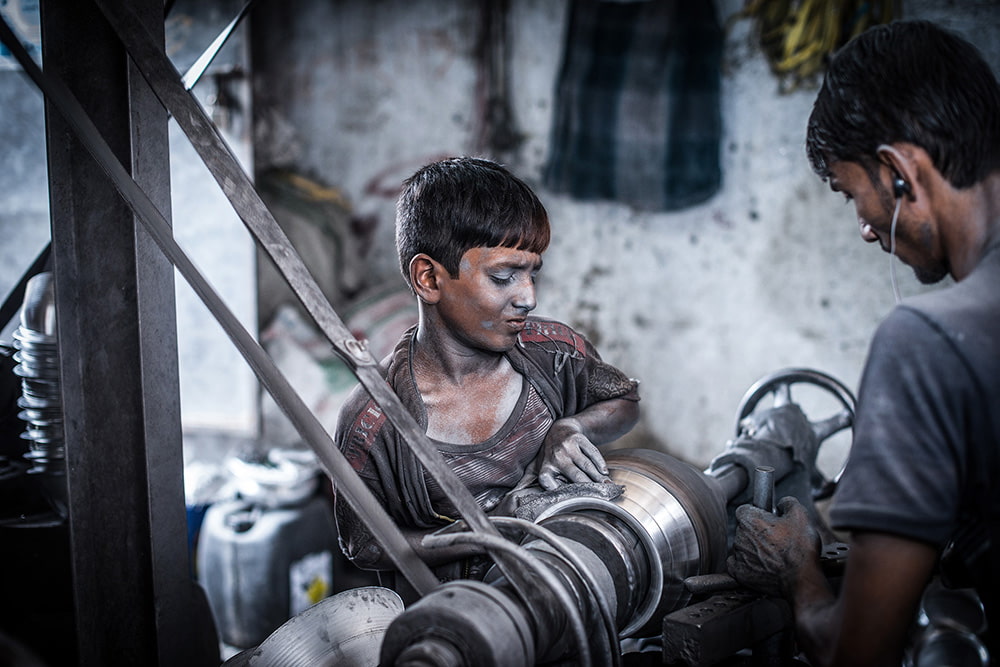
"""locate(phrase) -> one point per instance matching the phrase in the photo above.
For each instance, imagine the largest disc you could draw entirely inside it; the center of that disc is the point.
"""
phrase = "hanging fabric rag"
(637, 106)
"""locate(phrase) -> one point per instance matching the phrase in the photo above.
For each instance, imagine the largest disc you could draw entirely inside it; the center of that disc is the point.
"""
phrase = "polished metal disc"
(344, 630)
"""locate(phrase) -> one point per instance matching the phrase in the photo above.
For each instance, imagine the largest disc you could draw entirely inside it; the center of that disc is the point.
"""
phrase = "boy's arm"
(362, 549)
(570, 451)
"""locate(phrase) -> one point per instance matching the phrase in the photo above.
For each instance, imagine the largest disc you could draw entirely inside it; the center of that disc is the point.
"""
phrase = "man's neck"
(977, 221)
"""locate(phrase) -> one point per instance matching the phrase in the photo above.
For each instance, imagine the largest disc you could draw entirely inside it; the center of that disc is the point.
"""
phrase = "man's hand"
(771, 550)
(569, 456)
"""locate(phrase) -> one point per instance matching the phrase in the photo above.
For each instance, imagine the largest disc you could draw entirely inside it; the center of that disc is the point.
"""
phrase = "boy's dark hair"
(908, 81)
(451, 206)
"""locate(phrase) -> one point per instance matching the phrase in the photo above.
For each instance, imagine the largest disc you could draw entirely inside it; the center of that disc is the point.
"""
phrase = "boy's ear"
(424, 276)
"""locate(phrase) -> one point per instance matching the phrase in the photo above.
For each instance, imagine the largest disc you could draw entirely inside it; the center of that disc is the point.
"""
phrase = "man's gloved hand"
(770, 550)
(569, 456)
(789, 427)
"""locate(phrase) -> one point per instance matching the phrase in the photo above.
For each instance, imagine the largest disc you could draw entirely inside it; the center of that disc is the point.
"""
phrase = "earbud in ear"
(900, 187)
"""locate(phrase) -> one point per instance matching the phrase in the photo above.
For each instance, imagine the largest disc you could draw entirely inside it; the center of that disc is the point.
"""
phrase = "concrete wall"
(24, 200)
(218, 390)
(698, 304)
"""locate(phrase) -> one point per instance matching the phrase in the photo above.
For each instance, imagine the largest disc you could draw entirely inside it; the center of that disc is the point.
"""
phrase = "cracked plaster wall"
(698, 304)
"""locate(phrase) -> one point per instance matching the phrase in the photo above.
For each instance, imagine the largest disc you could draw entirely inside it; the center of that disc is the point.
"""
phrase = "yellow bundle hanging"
(798, 36)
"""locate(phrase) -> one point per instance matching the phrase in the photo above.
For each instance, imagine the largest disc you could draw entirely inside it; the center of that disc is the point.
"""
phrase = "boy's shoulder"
(546, 332)
(360, 420)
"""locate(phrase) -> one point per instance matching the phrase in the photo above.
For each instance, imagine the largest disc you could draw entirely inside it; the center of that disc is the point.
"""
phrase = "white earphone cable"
(892, 250)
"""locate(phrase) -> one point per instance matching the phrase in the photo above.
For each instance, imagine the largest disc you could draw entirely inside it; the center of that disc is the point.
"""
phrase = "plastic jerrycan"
(267, 555)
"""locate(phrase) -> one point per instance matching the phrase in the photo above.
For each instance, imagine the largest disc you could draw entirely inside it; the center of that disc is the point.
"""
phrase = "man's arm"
(868, 622)
(570, 448)
(883, 582)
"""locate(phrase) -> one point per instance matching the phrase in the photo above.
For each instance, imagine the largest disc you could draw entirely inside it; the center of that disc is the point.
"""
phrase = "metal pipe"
(763, 488)
(732, 479)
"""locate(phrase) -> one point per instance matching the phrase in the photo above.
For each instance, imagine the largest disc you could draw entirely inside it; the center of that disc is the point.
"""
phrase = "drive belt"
(167, 85)
(241, 193)
(13, 301)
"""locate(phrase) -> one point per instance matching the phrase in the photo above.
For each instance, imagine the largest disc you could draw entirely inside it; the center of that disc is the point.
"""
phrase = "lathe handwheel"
(780, 384)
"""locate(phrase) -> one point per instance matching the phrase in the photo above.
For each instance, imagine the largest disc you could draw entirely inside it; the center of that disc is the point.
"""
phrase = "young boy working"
(508, 399)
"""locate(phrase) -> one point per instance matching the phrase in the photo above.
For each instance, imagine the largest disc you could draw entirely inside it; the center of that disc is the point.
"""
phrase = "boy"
(509, 400)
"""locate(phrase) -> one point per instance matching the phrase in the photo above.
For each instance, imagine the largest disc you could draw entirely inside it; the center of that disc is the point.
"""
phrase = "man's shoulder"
(974, 300)
(966, 313)
(552, 333)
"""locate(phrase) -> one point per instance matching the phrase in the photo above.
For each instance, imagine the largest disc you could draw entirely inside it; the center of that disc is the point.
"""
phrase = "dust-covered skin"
(469, 387)
(484, 308)
(917, 242)
(467, 322)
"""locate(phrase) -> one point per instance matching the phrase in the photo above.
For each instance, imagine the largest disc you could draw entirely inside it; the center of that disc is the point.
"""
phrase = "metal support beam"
(135, 600)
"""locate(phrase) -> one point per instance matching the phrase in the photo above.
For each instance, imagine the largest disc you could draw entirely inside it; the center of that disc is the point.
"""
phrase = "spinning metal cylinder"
(668, 524)
(621, 562)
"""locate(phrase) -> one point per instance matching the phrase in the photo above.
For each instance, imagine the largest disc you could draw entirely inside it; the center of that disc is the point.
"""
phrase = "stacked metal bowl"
(38, 367)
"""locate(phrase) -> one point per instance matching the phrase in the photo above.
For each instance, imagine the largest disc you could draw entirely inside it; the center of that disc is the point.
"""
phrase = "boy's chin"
(499, 345)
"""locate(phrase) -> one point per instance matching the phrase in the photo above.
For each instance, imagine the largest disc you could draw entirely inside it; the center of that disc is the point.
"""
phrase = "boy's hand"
(569, 456)
(769, 550)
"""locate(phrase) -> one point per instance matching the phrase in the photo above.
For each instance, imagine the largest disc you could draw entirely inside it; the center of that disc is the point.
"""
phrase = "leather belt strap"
(348, 483)
(13, 301)
(166, 84)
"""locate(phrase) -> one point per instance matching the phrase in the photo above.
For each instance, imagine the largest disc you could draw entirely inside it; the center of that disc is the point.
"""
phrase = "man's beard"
(933, 274)
(930, 276)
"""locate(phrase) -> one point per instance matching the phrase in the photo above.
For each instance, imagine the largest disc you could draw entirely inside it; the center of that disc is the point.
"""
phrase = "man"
(509, 400)
(907, 125)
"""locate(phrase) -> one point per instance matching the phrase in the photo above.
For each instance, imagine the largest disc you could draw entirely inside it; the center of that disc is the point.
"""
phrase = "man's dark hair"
(908, 81)
(451, 206)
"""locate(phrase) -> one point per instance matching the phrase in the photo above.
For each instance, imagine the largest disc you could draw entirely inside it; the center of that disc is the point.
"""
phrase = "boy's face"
(486, 306)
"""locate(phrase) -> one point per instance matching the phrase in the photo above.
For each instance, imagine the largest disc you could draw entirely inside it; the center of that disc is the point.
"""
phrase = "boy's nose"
(525, 297)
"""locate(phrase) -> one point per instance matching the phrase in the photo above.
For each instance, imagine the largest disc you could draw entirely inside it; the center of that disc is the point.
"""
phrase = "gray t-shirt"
(923, 464)
(928, 417)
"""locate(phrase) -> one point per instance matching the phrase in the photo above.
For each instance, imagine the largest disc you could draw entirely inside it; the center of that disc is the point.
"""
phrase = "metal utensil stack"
(41, 396)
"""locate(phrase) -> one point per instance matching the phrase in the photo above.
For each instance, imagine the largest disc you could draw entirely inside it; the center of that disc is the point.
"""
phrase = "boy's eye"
(509, 277)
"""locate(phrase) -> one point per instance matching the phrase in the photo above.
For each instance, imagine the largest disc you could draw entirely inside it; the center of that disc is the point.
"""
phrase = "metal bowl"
(345, 630)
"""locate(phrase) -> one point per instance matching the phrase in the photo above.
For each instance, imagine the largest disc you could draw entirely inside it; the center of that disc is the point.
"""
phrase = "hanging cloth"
(637, 117)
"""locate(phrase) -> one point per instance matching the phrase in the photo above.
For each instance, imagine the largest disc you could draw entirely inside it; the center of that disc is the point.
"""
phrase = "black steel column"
(134, 598)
